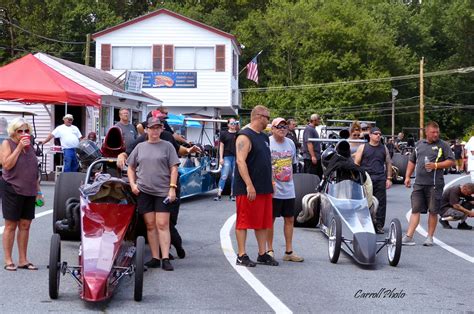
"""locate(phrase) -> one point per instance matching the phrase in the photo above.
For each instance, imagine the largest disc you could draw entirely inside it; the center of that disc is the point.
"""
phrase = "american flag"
(252, 70)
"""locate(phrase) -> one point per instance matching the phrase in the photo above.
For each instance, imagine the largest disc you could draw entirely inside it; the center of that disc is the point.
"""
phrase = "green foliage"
(304, 42)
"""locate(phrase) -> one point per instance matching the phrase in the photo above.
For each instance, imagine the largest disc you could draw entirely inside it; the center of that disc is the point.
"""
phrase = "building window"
(194, 58)
(131, 58)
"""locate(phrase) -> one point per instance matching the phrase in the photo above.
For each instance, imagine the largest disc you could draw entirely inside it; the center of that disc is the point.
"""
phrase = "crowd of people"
(260, 169)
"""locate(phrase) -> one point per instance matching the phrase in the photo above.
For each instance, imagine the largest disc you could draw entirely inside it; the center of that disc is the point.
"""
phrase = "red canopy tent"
(30, 80)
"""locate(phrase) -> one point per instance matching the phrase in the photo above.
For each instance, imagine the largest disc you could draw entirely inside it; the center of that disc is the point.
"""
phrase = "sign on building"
(133, 82)
(169, 80)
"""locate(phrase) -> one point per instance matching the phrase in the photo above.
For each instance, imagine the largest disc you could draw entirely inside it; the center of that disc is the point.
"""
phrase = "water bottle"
(39, 202)
(427, 161)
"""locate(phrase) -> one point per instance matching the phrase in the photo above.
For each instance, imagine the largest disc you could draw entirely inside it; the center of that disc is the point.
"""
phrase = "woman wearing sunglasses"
(20, 189)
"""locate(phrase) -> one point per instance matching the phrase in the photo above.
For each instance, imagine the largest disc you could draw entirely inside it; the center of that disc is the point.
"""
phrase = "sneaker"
(292, 257)
(180, 251)
(379, 229)
(166, 265)
(271, 253)
(428, 241)
(408, 241)
(464, 226)
(217, 198)
(245, 260)
(445, 224)
(266, 259)
(232, 198)
(153, 263)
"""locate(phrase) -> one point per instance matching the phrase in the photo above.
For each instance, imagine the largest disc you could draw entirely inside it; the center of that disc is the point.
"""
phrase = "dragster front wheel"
(54, 265)
(139, 268)
(335, 239)
(394, 242)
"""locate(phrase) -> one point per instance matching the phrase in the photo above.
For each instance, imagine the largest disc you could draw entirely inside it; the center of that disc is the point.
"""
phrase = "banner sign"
(169, 79)
(133, 82)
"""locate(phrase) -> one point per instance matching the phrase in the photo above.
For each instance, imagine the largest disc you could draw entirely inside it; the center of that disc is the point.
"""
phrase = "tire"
(394, 242)
(305, 183)
(335, 239)
(54, 266)
(66, 187)
(401, 162)
(139, 268)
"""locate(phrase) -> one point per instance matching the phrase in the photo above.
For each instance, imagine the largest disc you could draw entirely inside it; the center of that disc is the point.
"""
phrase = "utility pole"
(394, 95)
(422, 101)
(88, 50)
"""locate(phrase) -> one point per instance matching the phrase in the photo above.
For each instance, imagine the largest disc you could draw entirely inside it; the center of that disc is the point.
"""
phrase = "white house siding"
(214, 89)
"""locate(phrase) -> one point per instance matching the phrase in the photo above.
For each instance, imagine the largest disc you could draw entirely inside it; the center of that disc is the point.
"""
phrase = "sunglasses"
(377, 133)
(233, 123)
(262, 115)
(21, 131)
(281, 127)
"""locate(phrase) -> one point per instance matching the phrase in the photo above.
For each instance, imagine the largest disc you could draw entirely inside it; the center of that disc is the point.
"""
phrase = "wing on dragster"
(114, 143)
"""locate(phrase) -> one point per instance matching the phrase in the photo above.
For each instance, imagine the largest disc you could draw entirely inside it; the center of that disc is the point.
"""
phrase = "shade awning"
(30, 80)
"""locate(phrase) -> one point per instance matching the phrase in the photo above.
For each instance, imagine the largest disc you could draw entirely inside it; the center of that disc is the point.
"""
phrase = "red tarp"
(30, 80)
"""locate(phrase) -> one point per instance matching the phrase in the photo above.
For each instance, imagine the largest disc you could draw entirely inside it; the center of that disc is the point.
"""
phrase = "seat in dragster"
(109, 248)
(342, 204)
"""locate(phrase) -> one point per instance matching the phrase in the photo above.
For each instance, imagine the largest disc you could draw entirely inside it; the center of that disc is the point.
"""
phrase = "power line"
(43, 37)
(355, 82)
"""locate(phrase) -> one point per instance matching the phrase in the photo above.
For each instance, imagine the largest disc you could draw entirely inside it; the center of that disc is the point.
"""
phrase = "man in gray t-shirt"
(431, 157)
(128, 130)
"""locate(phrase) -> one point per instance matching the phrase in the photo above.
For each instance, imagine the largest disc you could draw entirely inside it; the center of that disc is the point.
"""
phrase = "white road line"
(46, 212)
(445, 246)
(254, 283)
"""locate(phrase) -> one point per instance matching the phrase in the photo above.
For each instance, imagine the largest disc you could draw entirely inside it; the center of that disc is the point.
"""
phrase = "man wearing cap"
(283, 152)
(374, 158)
(312, 150)
(69, 135)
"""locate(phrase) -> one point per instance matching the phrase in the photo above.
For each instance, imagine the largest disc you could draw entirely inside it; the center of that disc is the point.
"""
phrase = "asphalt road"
(427, 279)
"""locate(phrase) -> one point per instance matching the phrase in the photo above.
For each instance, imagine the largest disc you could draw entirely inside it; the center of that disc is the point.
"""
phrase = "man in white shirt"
(69, 135)
(469, 147)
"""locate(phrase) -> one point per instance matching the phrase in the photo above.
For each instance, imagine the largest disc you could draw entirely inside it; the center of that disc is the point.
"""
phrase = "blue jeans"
(70, 160)
(228, 168)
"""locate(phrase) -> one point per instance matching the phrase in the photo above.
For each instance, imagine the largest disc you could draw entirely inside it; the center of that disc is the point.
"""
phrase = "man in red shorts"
(253, 187)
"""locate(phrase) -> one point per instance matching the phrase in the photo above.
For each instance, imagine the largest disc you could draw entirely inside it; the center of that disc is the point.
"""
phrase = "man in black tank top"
(253, 187)
(374, 158)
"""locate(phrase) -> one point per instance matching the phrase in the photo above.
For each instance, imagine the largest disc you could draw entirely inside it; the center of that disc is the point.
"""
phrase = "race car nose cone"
(365, 246)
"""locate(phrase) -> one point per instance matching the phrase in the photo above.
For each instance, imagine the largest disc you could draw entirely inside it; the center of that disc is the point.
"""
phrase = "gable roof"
(103, 78)
(170, 13)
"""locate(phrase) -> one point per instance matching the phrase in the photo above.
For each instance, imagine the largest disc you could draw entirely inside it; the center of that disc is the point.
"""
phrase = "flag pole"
(249, 61)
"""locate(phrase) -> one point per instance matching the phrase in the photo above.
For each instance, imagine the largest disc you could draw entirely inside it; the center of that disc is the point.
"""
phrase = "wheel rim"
(392, 242)
(332, 238)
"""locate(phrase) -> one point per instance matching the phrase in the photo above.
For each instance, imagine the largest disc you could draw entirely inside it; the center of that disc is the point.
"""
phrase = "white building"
(190, 66)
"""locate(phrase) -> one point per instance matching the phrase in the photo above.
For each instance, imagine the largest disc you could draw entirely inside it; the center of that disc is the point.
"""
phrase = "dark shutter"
(105, 57)
(220, 58)
(169, 63)
(157, 58)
